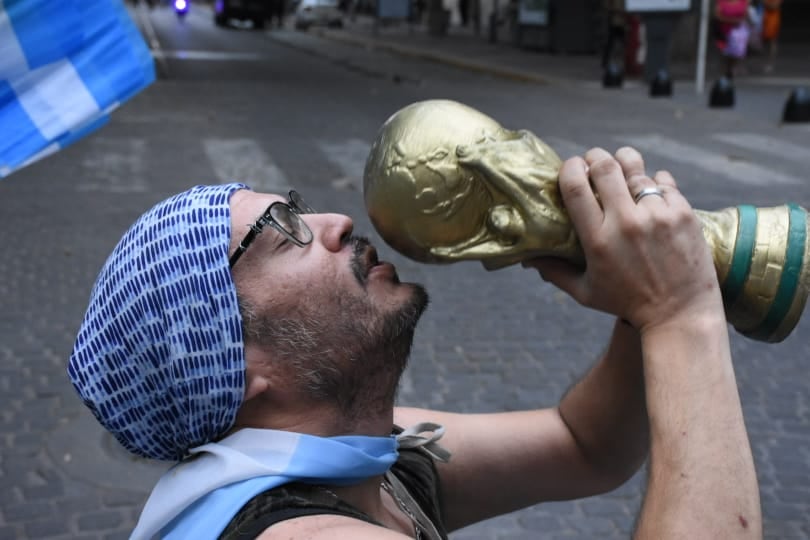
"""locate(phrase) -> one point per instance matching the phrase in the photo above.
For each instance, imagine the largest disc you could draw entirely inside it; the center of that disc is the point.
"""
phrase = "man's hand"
(647, 261)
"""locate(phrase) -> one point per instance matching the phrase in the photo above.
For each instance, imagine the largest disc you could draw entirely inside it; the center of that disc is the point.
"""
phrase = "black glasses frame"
(295, 205)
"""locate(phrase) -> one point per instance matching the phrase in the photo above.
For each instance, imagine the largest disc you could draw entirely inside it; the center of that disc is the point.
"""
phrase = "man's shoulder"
(328, 527)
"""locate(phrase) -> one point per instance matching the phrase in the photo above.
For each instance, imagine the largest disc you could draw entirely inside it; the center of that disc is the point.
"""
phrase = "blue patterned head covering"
(159, 357)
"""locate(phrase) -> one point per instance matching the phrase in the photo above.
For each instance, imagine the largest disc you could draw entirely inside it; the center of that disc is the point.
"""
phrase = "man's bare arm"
(592, 443)
(702, 481)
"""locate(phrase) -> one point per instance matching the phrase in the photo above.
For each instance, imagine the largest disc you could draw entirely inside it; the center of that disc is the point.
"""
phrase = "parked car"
(318, 13)
(257, 11)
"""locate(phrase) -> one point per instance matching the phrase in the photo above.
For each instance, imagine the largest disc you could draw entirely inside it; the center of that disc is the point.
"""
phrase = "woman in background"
(731, 18)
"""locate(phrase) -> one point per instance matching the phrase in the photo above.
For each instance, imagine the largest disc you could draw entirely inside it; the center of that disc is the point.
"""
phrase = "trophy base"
(766, 286)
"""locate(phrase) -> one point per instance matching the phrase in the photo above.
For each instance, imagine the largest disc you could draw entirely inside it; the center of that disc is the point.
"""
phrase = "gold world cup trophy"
(444, 183)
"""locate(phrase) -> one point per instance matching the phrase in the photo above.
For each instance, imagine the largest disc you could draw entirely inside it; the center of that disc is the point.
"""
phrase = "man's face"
(335, 314)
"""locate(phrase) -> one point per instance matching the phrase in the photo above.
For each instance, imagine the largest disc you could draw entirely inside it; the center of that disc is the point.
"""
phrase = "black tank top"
(414, 469)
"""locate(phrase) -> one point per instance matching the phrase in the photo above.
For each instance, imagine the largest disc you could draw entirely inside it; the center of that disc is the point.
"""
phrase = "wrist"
(705, 306)
(691, 324)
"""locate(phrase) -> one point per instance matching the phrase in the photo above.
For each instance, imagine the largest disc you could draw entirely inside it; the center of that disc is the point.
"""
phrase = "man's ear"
(255, 385)
(256, 376)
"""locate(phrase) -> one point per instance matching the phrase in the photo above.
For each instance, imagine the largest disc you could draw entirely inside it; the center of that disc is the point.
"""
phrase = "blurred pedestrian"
(771, 24)
(732, 32)
(755, 24)
(464, 11)
(277, 12)
(616, 30)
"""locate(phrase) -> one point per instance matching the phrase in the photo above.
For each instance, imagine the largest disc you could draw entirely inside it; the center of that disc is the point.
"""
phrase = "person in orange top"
(771, 23)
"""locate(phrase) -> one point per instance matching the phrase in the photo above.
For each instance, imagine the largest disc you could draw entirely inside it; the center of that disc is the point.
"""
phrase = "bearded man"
(265, 359)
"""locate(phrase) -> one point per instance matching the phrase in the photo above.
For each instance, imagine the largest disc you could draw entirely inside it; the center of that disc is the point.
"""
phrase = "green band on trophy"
(790, 275)
(743, 250)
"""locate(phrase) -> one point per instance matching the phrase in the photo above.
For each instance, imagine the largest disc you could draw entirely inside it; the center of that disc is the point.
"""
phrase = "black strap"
(287, 502)
(250, 529)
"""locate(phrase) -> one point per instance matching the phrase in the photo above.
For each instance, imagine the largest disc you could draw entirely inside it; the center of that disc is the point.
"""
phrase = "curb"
(514, 74)
(449, 59)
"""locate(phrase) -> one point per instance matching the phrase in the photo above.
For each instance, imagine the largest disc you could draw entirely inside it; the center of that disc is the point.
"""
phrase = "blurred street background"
(279, 107)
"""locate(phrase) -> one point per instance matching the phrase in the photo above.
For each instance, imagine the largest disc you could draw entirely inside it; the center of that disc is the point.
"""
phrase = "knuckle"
(599, 247)
(631, 226)
(666, 178)
(574, 190)
(605, 166)
(675, 219)
(637, 182)
(684, 216)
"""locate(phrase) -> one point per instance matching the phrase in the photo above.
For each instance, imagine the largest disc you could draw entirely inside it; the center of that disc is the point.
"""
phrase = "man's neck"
(318, 421)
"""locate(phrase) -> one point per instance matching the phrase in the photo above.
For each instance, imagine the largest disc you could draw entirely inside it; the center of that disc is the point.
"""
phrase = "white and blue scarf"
(198, 497)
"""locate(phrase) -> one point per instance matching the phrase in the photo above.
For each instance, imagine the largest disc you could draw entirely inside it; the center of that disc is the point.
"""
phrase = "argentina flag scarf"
(64, 66)
(198, 497)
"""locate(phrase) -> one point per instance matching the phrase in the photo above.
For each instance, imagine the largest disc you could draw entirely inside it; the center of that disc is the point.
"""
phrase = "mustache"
(361, 260)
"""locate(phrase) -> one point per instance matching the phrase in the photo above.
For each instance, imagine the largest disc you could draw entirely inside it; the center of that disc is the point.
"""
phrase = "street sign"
(656, 5)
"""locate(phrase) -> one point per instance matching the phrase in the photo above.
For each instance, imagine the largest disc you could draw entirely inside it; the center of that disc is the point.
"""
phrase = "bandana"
(159, 358)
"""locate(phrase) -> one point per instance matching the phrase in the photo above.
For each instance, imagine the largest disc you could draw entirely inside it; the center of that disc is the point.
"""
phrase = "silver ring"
(647, 191)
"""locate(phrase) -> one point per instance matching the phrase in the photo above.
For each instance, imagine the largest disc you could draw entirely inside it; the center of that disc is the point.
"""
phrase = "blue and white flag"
(198, 497)
(64, 66)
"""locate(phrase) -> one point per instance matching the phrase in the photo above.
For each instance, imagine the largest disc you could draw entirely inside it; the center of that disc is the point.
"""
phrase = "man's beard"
(339, 349)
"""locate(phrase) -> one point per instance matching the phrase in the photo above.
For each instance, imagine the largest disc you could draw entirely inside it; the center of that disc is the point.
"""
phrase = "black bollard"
(797, 107)
(612, 78)
(661, 85)
(722, 93)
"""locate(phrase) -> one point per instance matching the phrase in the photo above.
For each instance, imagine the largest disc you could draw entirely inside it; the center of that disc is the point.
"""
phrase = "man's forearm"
(606, 410)
(702, 481)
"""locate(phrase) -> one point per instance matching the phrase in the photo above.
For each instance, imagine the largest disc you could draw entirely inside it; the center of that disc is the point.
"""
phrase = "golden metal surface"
(765, 274)
(720, 231)
(444, 183)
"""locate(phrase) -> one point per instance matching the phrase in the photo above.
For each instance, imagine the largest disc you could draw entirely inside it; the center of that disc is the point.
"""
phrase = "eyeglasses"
(284, 217)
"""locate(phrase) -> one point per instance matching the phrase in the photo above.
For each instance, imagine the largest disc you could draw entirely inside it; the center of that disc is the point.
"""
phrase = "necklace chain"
(417, 527)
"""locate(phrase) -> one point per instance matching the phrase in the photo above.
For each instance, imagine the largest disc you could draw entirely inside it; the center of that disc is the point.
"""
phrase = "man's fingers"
(578, 196)
(665, 180)
(631, 161)
(668, 185)
(608, 180)
(638, 183)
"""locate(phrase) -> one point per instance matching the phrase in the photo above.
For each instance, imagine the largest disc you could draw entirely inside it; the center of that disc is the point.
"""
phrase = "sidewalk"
(462, 48)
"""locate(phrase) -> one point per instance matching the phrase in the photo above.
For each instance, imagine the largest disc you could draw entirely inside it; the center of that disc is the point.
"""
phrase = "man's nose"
(331, 230)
